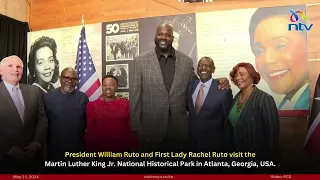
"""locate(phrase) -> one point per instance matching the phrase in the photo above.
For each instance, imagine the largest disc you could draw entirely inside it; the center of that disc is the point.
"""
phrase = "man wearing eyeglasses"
(66, 112)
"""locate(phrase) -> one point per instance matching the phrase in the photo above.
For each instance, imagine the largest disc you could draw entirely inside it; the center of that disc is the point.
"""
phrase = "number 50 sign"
(112, 28)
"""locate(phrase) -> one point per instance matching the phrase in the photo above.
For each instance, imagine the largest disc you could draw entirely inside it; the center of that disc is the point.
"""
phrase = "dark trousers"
(9, 165)
(171, 143)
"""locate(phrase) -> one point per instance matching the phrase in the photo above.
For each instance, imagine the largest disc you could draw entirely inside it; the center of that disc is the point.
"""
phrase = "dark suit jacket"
(12, 131)
(150, 100)
(257, 129)
(206, 129)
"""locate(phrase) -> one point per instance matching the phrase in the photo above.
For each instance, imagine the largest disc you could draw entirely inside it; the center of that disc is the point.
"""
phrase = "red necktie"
(200, 99)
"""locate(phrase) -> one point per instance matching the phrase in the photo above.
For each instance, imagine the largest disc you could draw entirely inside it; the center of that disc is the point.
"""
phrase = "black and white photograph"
(50, 51)
(124, 95)
(121, 71)
(122, 47)
(43, 64)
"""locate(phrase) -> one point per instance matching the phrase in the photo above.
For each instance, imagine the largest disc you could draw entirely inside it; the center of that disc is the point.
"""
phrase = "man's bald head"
(6, 59)
(166, 26)
(68, 80)
(164, 37)
(11, 70)
(69, 69)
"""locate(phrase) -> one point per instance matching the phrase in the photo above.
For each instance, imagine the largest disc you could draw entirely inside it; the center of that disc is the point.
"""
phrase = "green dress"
(234, 115)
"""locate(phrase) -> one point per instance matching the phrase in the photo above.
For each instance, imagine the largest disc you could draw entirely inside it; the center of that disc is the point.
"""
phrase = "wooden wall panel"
(123, 9)
(16, 9)
(168, 7)
(74, 9)
(47, 14)
(3, 7)
(67, 11)
(242, 4)
(155, 8)
(62, 13)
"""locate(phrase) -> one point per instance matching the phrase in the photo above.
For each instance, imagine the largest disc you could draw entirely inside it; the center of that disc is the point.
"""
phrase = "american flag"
(88, 79)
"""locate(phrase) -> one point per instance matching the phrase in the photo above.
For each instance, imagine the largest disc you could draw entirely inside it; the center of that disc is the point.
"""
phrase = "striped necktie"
(200, 99)
(18, 102)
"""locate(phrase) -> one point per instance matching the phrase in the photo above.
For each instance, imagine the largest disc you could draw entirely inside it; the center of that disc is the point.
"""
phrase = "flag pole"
(82, 20)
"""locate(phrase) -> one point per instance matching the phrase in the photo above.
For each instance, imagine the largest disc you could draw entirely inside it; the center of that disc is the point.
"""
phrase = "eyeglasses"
(67, 78)
(203, 65)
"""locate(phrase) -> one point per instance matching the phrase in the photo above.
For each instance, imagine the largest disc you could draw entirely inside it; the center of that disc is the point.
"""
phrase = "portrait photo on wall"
(43, 64)
(122, 47)
(50, 51)
(121, 71)
(184, 32)
(281, 54)
(124, 95)
(261, 37)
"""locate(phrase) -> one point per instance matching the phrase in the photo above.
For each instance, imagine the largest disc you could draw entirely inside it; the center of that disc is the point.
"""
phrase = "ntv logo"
(300, 26)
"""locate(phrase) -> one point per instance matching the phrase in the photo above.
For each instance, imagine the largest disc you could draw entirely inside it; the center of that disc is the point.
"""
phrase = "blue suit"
(206, 129)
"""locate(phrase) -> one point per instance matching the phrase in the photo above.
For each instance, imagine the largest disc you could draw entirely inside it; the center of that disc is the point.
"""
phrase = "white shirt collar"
(206, 84)
(10, 86)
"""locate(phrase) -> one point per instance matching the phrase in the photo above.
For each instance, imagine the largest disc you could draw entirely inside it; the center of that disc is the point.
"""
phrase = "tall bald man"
(66, 111)
(23, 123)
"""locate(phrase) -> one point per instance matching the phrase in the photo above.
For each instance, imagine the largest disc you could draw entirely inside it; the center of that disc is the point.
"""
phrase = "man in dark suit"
(208, 109)
(23, 124)
(66, 111)
(157, 94)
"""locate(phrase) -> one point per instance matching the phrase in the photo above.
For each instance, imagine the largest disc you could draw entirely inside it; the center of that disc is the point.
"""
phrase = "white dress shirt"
(205, 89)
(10, 89)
